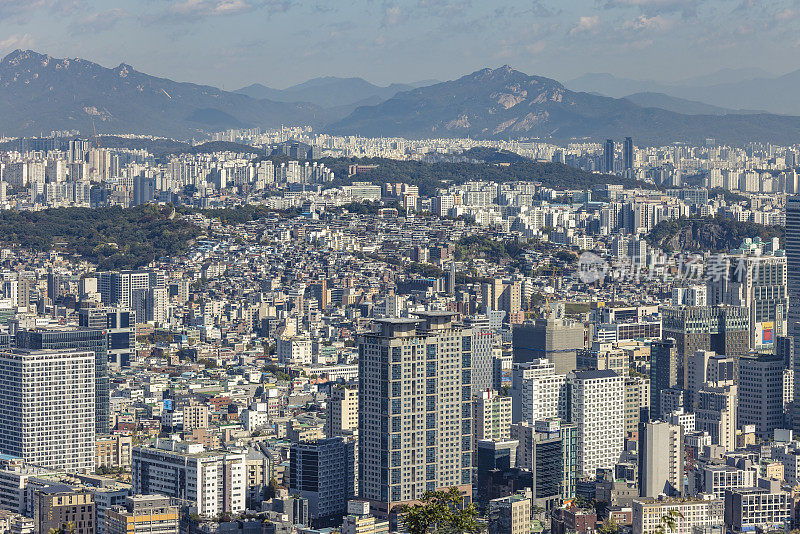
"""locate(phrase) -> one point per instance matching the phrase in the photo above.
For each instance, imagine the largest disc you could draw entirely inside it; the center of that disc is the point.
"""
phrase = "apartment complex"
(48, 407)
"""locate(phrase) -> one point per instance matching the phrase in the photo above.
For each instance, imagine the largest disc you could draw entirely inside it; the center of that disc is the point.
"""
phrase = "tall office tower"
(61, 338)
(342, 412)
(144, 189)
(215, 480)
(715, 413)
(143, 514)
(721, 328)
(627, 153)
(557, 339)
(323, 471)
(663, 373)
(415, 420)
(549, 449)
(754, 276)
(492, 416)
(608, 156)
(793, 282)
(538, 392)
(120, 328)
(597, 409)
(48, 407)
(660, 459)
(492, 455)
(761, 393)
(706, 366)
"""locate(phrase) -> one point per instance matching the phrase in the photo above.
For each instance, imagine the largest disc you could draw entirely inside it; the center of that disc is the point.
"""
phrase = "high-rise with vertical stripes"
(415, 421)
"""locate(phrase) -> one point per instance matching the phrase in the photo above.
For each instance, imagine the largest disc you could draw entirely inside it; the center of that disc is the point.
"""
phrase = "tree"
(669, 522)
(442, 510)
(609, 526)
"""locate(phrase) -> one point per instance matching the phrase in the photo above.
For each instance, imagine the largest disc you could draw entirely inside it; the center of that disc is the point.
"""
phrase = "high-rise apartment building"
(538, 392)
(597, 409)
(64, 339)
(214, 480)
(117, 287)
(492, 416)
(48, 407)
(415, 424)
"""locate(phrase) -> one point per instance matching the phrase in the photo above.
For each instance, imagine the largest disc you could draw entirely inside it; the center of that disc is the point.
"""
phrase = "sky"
(233, 43)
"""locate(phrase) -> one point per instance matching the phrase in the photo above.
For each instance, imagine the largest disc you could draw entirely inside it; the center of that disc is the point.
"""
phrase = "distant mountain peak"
(42, 93)
(506, 103)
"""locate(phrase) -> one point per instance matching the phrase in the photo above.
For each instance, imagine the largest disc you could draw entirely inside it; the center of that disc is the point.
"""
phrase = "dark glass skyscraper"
(627, 153)
(608, 156)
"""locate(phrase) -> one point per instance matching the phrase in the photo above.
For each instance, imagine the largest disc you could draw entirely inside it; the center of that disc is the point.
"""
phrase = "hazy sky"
(231, 43)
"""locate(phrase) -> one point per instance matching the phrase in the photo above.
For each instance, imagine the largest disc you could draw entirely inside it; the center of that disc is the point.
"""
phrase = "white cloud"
(645, 23)
(585, 24)
(190, 10)
(17, 41)
(98, 22)
(21, 10)
(655, 7)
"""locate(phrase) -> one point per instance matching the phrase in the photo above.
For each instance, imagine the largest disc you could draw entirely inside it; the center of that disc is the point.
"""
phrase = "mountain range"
(39, 93)
(505, 103)
(332, 92)
(735, 89)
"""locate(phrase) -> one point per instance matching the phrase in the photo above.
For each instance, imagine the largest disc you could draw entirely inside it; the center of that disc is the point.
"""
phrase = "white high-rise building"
(538, 392)
(492, 416)
(415, 421)
(47, 407)
(215, 480)
(597, 408)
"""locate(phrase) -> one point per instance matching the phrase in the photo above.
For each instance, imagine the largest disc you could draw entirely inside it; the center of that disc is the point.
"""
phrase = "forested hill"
(716, 234)
(112, 238)
(430, 176)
